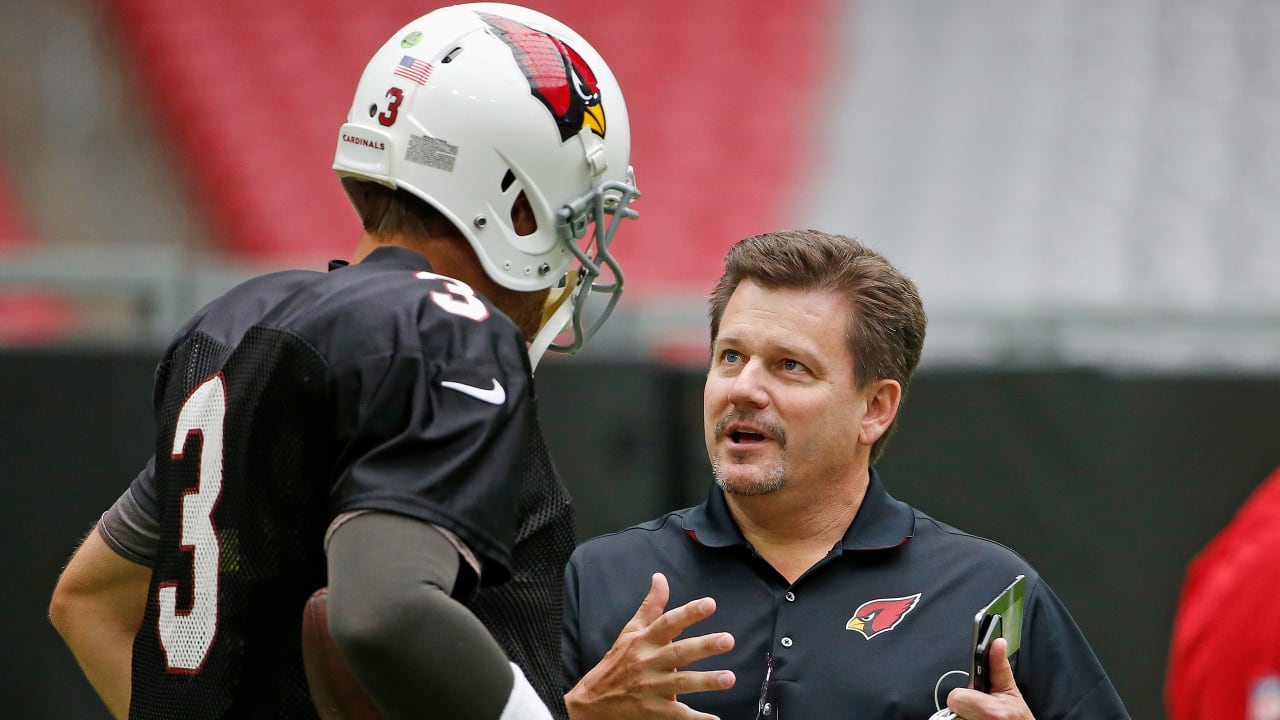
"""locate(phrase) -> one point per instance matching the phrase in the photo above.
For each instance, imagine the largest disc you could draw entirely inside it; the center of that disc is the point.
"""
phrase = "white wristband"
(524, 703)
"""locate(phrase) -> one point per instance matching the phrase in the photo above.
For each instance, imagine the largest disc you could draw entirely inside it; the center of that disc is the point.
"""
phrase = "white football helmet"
(470, 105)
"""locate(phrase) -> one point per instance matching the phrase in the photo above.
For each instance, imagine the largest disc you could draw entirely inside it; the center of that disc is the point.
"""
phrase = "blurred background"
(1086, 193)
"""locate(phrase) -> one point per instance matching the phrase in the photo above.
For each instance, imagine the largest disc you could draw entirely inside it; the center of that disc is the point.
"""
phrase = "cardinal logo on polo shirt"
(882, 615)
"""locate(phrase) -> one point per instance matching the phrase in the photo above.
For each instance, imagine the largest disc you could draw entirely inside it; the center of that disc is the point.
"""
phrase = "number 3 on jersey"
(460, 300)
(187, 634)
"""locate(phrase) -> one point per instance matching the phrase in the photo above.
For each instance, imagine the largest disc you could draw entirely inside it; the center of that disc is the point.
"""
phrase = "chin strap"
(557, 314)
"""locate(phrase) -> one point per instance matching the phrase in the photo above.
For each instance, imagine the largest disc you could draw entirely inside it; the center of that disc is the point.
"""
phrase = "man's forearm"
(97, 608)
(407, 642)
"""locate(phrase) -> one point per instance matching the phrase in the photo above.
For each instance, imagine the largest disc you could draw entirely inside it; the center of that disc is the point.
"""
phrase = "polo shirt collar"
(882, 522)
(390, 256)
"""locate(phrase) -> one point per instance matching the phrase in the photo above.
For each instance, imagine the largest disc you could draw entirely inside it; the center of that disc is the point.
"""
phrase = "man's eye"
(793, 366)
(732, 356)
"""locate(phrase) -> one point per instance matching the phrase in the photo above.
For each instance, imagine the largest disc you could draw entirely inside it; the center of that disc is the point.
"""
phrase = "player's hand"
(1003, 703)
(640, 676)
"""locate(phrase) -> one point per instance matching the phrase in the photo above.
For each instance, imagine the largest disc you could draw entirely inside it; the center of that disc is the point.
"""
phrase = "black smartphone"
(1001, 618)
(992, 626)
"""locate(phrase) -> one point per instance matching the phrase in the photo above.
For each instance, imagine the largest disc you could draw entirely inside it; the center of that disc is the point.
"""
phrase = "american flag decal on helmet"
(414, 69)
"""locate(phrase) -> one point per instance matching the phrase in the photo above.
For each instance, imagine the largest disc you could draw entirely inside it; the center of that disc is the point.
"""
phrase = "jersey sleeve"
(1056, 670)
(570, 649)
(440, 439)
(131, 526)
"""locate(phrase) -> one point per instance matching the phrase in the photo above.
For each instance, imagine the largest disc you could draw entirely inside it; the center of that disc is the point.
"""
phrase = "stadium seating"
(250, 94)
(28, 315)
(14, 233)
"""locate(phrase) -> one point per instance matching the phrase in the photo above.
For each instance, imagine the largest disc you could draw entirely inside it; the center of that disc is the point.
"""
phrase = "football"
(334, 690)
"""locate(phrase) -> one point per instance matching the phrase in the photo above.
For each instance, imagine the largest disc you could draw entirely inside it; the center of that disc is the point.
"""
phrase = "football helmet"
(470, 106)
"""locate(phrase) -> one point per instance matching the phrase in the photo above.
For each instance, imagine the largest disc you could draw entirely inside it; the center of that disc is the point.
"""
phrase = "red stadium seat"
(720, 93)
(28, 315)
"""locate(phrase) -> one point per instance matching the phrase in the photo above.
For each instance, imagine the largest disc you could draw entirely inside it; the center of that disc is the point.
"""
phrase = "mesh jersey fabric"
(296, 397)
(525, 613)
(267, 559)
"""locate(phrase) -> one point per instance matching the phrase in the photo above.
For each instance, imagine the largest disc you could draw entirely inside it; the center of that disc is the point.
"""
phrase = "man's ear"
(522, 217)
(882, 398)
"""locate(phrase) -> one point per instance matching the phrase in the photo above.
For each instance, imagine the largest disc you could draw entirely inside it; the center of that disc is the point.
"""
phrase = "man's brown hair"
(386, 212)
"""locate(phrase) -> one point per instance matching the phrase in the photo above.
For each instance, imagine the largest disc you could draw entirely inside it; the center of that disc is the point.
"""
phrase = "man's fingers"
(695, 681)
(673, 622)
(690, 650)
(653, 605)
(1001, 672)
(1005, 700)
(685, 682)
(662, 627)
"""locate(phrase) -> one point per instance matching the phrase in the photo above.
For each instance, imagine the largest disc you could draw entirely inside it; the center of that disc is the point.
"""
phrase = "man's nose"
(750, 387)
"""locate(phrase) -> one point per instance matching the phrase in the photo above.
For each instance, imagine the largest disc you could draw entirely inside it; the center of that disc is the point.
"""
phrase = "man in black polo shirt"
(819, 595)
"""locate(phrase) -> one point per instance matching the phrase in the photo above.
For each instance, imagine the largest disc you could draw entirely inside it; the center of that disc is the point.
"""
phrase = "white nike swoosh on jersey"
(494, 395)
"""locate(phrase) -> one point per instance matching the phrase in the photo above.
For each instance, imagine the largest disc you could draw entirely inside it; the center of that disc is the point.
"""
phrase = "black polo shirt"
(879, 628)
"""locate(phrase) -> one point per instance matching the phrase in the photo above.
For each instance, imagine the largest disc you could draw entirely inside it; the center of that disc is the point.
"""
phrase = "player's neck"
(364, 246)
(449, 256)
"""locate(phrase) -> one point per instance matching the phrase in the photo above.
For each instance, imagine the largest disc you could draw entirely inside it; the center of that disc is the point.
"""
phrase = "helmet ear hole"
(522, 218)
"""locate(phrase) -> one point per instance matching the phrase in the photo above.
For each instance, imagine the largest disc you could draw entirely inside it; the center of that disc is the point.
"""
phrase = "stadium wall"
(1107, 483)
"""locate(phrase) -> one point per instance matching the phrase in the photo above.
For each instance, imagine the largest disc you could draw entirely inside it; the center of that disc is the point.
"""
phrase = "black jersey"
(299, 396)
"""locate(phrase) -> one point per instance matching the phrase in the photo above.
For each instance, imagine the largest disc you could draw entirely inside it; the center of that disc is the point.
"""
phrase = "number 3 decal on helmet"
(387, 118)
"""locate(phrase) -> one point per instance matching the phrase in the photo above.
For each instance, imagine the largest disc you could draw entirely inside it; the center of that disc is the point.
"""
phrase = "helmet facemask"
(597, 272)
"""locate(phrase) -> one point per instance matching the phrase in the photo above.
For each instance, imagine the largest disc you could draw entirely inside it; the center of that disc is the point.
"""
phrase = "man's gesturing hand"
(640, 676)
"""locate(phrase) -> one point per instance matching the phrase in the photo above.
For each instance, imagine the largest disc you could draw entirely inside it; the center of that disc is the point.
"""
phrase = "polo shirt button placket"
(769, 708)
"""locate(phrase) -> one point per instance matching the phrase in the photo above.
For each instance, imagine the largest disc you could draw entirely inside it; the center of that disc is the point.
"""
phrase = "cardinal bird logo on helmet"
(557, 74)
(878, 616)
